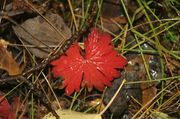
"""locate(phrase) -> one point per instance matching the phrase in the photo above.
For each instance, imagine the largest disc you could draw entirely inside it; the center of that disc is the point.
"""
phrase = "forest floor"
(93, 59)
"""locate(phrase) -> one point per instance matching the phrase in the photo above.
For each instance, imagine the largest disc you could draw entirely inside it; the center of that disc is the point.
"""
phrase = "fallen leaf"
(97, 66)
(40, 35)
(5, 108)
(119, 104)
(6, 61)
(114, 16)
(21, 5)
(68, 114)
(172, 64)
(8, 111)
(149, 91)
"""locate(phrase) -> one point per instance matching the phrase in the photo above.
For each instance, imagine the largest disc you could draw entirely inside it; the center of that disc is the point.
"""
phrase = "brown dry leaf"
(172, 64)
(21, 5)
(41, 35)
(112, 14)
(6, 61)
(68, 114)
(148, 92)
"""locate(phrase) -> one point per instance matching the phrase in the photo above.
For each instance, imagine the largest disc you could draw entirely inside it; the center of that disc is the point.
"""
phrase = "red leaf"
(5, 108)
(11, 115)
(8, 111)
(97, 67)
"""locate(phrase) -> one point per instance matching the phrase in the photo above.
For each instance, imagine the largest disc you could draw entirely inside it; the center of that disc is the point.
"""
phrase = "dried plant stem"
(73, 16)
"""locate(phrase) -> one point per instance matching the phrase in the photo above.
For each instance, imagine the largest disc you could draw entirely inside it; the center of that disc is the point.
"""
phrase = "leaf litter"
(138, 89)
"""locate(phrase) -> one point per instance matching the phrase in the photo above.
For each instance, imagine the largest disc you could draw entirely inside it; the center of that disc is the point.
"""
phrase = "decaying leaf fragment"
(39, 34)
(6, 61)
(68, 114)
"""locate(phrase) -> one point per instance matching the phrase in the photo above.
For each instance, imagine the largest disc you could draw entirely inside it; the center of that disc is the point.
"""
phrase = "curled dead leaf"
(6, 61)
